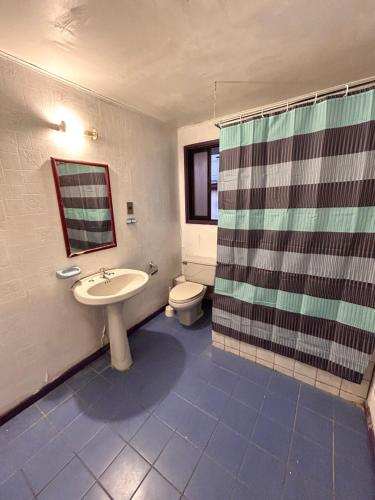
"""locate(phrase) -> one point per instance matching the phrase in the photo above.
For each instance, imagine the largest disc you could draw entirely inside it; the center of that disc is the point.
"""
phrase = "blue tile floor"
(187, 421)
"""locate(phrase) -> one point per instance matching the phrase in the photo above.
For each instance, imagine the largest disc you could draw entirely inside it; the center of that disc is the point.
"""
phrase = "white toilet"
(189, 289)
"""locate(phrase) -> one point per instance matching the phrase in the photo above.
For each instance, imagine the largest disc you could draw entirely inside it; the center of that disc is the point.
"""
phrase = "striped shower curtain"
(86, 204)
(296, 235)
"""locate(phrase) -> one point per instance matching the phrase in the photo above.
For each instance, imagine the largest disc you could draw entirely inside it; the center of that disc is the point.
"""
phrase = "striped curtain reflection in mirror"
(85, 206)
(296, 237)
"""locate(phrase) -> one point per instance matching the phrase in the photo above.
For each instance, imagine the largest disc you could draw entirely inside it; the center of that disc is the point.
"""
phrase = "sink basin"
(118, 286)
(121, 285)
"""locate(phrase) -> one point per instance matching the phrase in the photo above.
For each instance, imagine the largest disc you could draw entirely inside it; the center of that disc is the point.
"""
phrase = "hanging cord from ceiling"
(285, 105)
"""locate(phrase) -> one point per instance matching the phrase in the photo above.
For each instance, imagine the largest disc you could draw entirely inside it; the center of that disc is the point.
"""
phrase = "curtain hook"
(262, 113)
(287, 105)
(316, 97)
(347, 89)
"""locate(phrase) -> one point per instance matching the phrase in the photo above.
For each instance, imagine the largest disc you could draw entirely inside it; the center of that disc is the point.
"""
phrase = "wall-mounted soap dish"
(68, 272)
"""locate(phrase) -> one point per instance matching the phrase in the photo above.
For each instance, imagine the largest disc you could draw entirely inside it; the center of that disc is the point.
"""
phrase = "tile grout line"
(58, 434)
(143, 480)
(250, 441)
(198, 461)
(201, 455)
(101, 487)
(291, 439)
(201, 450)
(54, 477)
(97, 479)
(333, 454)
(127, 443)
(174, 432)
(43, 416)
(92, 475)
(26, 479)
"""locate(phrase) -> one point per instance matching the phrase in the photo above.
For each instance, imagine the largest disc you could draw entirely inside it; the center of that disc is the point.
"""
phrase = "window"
(201, 180)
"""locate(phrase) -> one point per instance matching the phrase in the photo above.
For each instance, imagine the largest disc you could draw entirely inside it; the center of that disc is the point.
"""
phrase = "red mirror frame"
(69, 254)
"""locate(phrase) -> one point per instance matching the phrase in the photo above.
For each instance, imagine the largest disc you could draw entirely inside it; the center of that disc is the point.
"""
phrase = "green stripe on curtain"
(308, 344)
(341, 219)
(343, 312)
(100, 237)
(357, 292)
(332, 113)
(86, 203)
(74, 168)
(331, 330)
(93, 214)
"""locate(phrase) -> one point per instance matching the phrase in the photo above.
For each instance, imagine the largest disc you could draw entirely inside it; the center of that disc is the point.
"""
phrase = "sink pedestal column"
(121, 358)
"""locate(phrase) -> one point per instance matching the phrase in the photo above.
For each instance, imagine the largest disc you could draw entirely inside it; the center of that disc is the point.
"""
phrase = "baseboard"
(68, 373)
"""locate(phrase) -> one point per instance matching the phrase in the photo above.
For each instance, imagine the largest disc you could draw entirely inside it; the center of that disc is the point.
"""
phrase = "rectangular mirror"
(85, 204)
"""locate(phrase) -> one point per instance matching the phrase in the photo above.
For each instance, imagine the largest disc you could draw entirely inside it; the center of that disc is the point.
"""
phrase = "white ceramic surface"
(111, 291)
(121, 285)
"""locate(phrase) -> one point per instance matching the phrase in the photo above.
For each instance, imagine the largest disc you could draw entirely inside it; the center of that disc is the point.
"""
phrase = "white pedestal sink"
(110, 291)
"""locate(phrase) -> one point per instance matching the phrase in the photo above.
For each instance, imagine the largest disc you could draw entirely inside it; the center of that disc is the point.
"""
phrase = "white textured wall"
(43, 330)
(371, 402)
(197, 239)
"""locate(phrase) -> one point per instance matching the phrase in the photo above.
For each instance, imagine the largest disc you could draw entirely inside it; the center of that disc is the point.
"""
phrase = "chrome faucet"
(104, 274)
(152, 268)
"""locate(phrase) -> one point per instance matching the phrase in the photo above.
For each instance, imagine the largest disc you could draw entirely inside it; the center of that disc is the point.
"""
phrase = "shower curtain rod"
(279, 106)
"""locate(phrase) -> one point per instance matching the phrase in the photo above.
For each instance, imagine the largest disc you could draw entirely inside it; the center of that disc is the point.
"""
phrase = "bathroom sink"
(110, 288)
(118, 285)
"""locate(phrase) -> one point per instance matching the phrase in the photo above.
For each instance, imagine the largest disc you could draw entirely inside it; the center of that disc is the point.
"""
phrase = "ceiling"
(162, 56)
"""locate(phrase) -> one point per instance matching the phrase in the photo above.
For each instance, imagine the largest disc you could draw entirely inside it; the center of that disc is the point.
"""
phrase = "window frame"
(189, 152)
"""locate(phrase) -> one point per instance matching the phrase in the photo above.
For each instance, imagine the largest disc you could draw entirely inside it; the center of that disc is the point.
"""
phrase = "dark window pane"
(200, 183)
(201, 177)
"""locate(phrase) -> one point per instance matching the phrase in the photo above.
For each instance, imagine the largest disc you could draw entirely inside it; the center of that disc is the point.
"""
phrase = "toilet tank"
(199, 270)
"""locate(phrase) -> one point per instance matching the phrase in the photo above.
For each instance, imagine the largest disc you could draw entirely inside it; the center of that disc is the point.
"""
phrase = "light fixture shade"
(60, 127)
(93, 133)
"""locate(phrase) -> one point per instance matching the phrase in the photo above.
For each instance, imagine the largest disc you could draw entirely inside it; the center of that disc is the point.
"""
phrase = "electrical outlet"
(130, 207)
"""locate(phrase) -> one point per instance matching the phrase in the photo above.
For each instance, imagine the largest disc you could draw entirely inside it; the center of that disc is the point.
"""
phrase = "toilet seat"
(185, 292)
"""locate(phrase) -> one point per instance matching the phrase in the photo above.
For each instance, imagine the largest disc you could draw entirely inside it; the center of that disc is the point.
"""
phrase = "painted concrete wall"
(43, 330)
(371, 402)
(196, 239)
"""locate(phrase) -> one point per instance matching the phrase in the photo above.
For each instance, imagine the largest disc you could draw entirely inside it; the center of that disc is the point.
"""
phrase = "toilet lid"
(185, 291)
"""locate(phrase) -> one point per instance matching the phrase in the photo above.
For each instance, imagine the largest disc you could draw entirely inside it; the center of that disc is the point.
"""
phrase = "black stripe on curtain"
(346, 335)
(333, 194)
(356, 292)
(342, 244)
(328, 142)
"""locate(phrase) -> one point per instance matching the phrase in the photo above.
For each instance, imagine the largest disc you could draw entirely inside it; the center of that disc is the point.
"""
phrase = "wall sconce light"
(74, 129)
(93, 133)
(61, 127)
